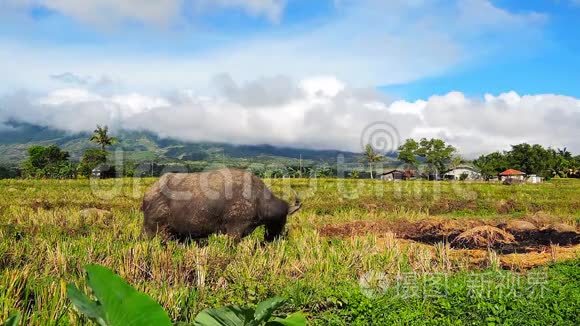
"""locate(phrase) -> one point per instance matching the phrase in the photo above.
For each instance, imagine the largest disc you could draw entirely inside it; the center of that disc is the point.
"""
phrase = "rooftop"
(511, 172)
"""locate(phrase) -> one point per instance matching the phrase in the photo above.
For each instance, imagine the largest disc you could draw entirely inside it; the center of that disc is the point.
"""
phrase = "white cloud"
(103, 12)
(272, 9)
(320, 115)
(158, 12)
(482, 13)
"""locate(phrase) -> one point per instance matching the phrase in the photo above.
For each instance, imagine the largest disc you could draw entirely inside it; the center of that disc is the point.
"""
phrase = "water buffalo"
(226, 201)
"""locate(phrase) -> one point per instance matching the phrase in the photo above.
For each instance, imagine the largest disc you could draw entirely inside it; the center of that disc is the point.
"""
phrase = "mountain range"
(142, 146)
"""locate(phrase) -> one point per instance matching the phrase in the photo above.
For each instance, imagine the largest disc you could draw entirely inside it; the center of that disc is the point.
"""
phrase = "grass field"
(358, 278)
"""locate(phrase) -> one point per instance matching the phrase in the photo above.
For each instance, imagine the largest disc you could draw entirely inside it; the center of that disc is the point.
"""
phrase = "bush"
(118, 303)
(8, 172)
(90, 160)
(48, 162)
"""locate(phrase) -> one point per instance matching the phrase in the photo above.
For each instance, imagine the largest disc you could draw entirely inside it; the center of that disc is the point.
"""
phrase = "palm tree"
(456, 161)
(370, 157)
(101, 137)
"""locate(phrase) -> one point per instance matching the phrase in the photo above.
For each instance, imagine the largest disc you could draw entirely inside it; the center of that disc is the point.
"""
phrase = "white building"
(462, 172)
(532, 178)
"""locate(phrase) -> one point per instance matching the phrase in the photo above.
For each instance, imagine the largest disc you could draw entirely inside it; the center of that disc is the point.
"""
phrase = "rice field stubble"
(47, 236)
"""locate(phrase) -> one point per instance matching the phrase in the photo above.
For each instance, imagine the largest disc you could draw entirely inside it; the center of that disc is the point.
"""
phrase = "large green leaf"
(85, 305)
(12, 320)
(121, 303)
(265, 309)
(226, 316)
(295, 319)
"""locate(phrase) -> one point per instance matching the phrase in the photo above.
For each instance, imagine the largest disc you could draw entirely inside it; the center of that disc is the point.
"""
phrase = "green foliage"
(324, 171)
(12, 320)
(236, 316)
(531, 159)
(408, 152)
(90, 160)
(480, 298)
(7, 172)
(456, 161)
(48, 162)
(492, 164)
(436, 153)
(101, 137)
(370, 156)
(117, 302)
(129, 169)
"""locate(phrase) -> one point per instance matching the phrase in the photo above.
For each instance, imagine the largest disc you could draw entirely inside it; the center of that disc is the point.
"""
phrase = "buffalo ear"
(297, 204)
(294, 208)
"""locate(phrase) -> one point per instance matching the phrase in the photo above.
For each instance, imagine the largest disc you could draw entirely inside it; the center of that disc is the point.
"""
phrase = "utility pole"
(300, 166)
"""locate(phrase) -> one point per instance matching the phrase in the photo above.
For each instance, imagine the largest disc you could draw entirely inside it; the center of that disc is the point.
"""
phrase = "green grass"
(45, 243)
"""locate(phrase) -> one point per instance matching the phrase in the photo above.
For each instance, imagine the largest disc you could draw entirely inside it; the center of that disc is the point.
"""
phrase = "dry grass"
(45, 240)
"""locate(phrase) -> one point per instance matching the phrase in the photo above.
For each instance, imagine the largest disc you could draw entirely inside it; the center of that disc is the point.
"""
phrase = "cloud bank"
(319, 113)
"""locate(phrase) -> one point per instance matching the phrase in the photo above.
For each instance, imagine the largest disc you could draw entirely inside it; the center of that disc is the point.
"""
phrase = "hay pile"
(485, 236)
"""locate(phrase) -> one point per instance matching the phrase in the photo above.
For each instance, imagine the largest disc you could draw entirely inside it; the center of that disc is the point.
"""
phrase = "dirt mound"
(559, 233)
(519, 244)
(427, 230)
(485, 236)
(540, 219)
(520, 226)
(521, 230)
(437, 230)
(510, 236)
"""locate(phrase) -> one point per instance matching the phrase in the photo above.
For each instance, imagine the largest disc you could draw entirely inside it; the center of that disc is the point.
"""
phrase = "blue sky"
(534, 56)
(550, 66)
(543, 59)
(127, 58)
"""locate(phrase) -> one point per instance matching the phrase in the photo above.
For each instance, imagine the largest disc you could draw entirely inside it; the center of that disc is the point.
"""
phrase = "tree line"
(531, 159)
(432, 156)
(54, 163)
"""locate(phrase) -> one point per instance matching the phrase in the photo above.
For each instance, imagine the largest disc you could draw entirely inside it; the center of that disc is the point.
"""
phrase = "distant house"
(512, 174)
(103, 171)
(397, 175)
(463, 172)
(532, 178)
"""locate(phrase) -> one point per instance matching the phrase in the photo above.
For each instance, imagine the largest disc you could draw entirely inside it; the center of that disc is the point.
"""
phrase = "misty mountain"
(16, 137)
